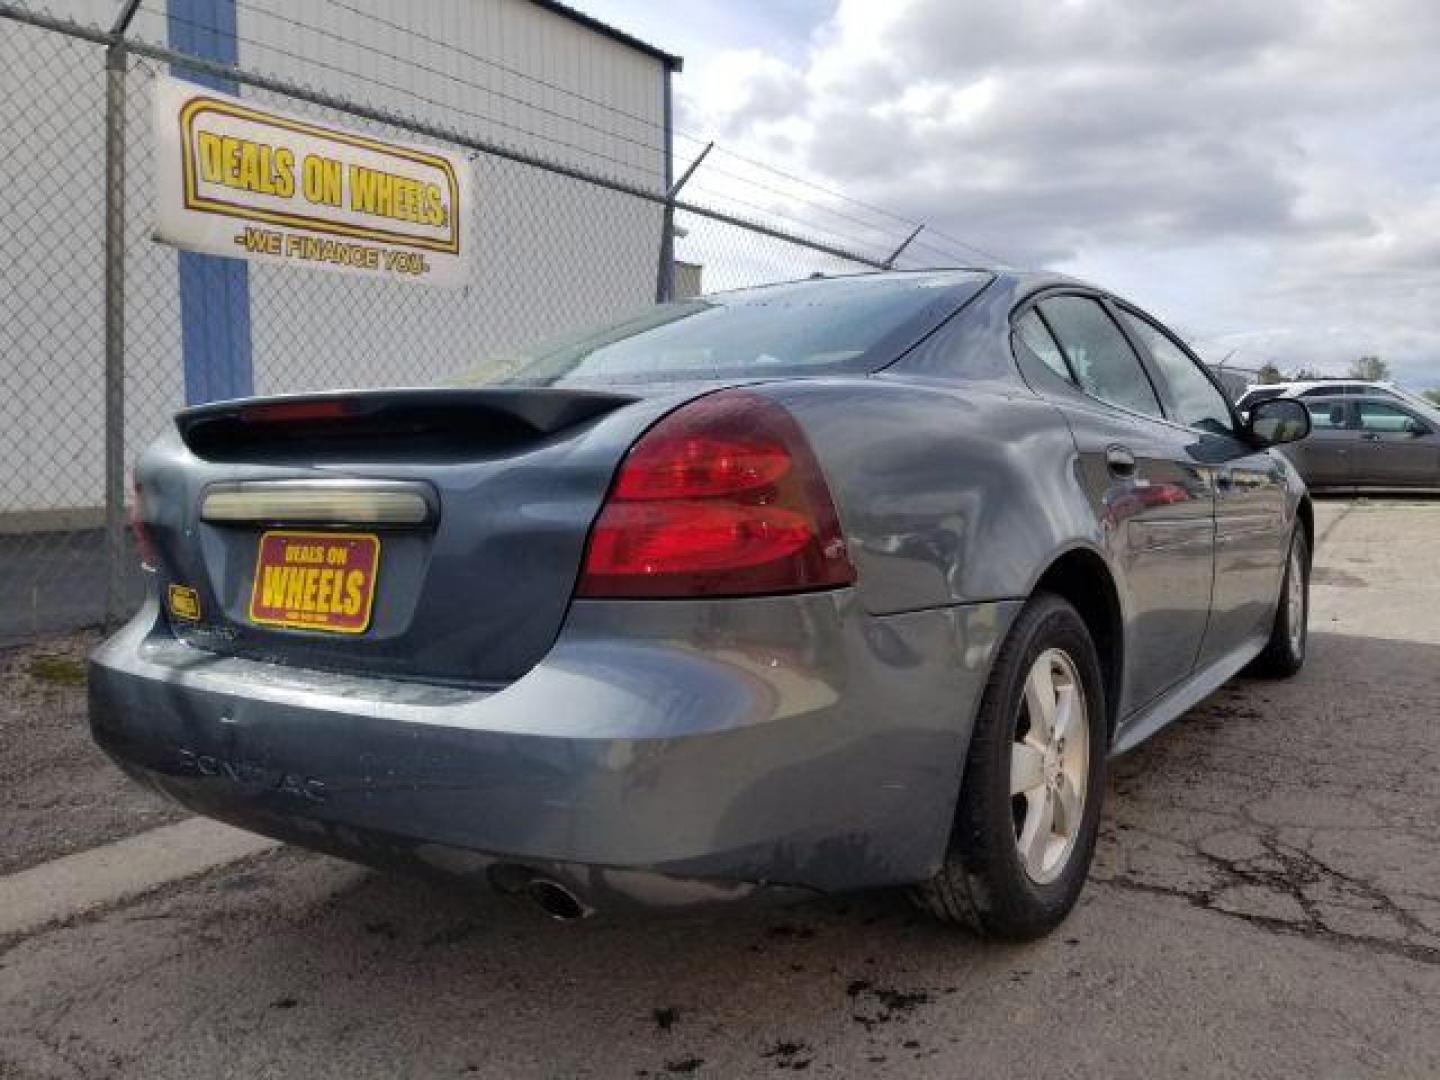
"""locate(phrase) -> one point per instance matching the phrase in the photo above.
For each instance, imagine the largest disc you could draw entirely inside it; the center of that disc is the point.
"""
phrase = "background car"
(1257, 392)
(1369, 444)
(833, 585)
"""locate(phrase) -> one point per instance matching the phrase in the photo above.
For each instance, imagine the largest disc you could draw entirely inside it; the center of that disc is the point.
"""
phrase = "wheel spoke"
(1027, 768)
(1064, 712)
(1069, 806)
(1040, 699)
(1035, 835)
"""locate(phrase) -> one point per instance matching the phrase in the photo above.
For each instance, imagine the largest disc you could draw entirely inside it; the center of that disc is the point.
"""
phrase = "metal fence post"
(890, 262)
(665, 283)
(116, 561)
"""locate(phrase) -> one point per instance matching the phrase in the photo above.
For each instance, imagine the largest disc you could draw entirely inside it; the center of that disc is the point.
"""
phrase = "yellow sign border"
(325, 537)
(194, 201)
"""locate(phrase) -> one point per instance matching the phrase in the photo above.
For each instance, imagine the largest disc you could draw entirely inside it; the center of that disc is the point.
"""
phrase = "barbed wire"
(905, 223)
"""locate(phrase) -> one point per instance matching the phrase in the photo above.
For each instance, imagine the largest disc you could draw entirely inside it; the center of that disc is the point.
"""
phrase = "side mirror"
(1414, 427)
(1279, 420)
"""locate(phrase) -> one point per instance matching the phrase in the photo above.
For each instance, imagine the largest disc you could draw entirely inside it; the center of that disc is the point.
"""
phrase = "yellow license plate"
(315, 580)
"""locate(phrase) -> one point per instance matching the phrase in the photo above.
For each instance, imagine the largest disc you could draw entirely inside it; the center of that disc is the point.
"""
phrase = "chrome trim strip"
(394, 503)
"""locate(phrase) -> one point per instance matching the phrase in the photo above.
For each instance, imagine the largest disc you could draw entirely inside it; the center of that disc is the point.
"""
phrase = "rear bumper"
(661, 753)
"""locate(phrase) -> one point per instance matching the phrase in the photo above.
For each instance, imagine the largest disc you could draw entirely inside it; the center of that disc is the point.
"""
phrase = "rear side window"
(1099, 354)
(1198, 403)
(1377, 416)
(1036, 338)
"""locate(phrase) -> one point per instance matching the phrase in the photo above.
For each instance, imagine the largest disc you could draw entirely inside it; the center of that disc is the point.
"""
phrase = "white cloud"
(1262, 174)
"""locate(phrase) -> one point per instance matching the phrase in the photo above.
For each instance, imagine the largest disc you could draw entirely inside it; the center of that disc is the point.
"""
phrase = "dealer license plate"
(315, 580)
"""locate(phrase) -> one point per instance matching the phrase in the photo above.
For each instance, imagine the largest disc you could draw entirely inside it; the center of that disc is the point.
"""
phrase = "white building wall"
(549, 252)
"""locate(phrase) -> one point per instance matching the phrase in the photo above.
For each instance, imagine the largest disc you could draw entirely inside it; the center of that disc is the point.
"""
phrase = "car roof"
(1311, 384)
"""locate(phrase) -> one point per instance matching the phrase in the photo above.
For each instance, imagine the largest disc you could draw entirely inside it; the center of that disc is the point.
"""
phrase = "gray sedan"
(1369, 444)
(824, 586)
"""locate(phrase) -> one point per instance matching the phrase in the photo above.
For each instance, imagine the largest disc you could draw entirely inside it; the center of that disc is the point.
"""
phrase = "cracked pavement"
(1265, 903)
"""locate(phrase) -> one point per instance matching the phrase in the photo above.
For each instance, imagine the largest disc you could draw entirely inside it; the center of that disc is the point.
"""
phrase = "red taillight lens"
(136, 513)
(721, 498)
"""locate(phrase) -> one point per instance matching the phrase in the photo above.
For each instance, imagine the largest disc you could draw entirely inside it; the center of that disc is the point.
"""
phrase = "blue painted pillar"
(214, 291)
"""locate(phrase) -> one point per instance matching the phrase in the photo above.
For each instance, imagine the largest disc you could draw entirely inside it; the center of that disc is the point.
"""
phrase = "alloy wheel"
(1050, 766)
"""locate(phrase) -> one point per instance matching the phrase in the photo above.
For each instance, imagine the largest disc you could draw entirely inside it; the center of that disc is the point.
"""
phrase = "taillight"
(294, 412)
(723, 497)
(143, 544)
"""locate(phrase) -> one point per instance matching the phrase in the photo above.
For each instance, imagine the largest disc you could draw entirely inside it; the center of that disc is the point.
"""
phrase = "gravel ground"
(1265, 903)
(61, 794)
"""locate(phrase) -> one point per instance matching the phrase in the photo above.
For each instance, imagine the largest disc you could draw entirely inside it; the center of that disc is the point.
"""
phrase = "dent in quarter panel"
(947, 492)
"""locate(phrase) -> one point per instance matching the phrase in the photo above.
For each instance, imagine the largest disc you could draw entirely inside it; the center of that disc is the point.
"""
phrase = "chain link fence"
(92, 362)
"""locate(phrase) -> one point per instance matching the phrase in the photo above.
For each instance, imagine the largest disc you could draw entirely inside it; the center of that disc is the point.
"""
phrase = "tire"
(985, 882)
(1284, 654)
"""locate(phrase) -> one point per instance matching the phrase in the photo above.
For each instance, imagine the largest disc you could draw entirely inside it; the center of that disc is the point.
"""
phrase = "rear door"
(1251, 494)
(1394, 447)
(1153, 495)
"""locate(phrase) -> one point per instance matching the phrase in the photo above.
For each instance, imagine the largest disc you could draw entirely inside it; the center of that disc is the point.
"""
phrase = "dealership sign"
(253, 183)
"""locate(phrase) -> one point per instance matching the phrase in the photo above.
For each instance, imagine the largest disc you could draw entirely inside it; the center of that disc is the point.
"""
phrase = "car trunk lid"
(464, 512)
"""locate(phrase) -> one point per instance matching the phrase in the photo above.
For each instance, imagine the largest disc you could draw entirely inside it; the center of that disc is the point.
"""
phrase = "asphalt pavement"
(1265, 903)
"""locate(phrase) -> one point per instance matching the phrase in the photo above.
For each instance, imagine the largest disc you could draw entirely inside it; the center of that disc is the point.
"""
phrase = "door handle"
(1370, 436)
(1120, 460)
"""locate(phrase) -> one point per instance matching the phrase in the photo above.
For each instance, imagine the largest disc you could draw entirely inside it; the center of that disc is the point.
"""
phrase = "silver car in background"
(824, 586)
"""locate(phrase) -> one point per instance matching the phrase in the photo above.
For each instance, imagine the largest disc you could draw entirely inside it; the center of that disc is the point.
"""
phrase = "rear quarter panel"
(948, 492)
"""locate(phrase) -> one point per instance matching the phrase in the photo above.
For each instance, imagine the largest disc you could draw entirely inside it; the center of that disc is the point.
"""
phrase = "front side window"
(1326, 415)
(1198, 403)
(1103, 361)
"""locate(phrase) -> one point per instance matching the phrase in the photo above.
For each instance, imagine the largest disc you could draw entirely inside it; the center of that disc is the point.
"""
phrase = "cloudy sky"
(1265, 176)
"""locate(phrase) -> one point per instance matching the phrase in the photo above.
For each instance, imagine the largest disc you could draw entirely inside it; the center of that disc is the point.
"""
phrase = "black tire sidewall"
(1280, 659)
(1295, 657)
(1012, 904)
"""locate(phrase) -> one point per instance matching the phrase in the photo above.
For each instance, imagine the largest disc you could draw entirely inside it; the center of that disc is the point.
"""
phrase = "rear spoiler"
(454, 419)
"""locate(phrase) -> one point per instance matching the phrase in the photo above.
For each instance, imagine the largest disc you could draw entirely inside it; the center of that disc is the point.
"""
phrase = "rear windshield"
(810, 327)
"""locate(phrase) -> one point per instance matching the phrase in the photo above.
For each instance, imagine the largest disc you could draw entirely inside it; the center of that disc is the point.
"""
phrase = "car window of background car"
(1328, 415)
(1198, 403)
(800, 328)
(1036, 337)
(1378, 416)
(1099, 354)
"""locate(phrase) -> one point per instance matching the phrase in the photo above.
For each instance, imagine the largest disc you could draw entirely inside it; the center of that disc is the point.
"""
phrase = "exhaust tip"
(557, 901)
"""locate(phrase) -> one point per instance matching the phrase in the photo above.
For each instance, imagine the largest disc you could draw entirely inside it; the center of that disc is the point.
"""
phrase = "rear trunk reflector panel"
(318, 502)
